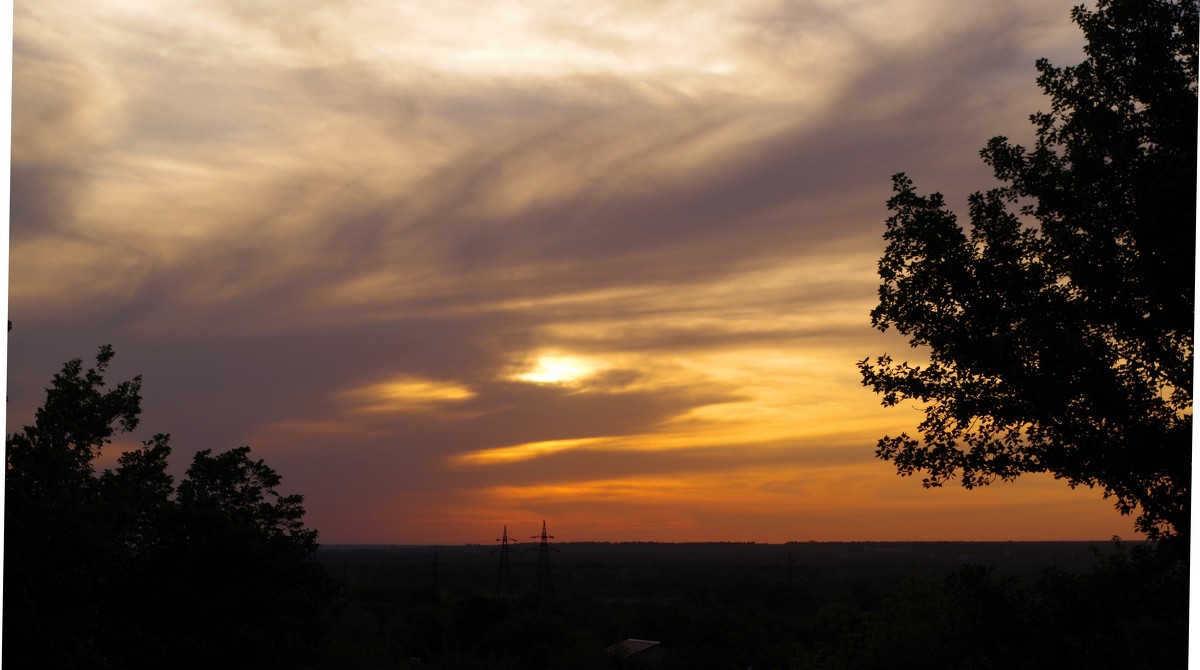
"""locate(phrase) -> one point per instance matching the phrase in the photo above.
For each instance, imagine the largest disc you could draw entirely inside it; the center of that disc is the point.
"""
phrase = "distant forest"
(739, 605)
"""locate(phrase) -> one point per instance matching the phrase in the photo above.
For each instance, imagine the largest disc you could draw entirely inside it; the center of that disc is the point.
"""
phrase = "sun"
(555, 369)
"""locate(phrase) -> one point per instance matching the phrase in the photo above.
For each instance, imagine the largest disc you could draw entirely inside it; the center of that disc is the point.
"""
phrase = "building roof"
(633, 646)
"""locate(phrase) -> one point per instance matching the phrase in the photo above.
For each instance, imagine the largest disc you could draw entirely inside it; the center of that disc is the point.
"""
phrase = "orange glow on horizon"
(773, 505)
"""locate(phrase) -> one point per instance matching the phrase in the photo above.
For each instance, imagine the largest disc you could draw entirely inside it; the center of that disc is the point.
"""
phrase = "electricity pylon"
(504, 575)
(543, 587)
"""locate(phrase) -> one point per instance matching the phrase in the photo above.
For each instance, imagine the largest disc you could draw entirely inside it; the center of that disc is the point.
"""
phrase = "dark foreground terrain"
(741, 605)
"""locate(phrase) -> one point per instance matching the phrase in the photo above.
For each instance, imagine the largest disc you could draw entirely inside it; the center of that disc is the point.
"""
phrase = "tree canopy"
(123, 569)
(1059, 329)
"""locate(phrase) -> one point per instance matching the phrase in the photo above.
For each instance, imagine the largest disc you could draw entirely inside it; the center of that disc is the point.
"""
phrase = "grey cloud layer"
(303, 185)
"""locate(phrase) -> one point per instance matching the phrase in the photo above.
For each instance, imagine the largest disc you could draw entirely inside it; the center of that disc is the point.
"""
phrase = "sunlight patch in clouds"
(558, 369)
(523, 452)
(406, 394)
(550, 38)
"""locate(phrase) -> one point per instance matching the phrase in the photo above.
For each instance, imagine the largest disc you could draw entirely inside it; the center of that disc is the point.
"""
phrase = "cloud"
(341, 231)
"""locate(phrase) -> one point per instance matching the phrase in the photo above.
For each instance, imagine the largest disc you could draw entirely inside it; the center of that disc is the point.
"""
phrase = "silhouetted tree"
(121, 570)
(1059, 330)
(56, 551)
(243, 568)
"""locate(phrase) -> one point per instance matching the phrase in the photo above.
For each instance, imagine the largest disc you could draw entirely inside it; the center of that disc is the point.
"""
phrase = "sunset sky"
(453, 265)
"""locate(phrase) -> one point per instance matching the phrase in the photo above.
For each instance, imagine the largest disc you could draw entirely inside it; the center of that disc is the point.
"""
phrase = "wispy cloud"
(440, 261)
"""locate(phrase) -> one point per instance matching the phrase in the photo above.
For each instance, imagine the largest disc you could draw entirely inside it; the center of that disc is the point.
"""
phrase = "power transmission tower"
(504, 575)
(543, 587)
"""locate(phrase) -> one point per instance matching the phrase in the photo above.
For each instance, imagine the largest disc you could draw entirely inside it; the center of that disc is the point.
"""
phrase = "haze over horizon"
(451, 267)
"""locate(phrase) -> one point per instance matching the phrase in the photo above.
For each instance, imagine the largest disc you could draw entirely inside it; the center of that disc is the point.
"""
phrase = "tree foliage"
(1059, 330)
(123, 569)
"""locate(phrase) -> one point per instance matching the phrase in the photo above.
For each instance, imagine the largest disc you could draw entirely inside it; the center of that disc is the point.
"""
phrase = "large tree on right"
(1059, 328)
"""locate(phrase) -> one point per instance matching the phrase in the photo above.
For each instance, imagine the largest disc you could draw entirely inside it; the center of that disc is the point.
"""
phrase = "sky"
(453, 266)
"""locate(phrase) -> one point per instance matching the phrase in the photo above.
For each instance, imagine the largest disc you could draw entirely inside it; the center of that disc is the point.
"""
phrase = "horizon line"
(738, 542)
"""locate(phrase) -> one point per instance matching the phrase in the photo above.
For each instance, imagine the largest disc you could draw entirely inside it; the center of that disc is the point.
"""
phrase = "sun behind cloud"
(558, 369)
